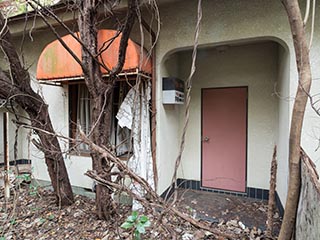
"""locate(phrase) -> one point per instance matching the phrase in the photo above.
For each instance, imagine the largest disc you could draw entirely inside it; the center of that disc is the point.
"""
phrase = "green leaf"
(143, 219)
(126, 225)
(134, 214)
(133, 217)
(137, 235)
(147, 224)
(13, 221)
(140, 228)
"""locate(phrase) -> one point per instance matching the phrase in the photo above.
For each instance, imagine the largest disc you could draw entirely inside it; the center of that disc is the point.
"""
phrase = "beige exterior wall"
(57, 99)
(236, 22)
(254, 66)
(12, 136)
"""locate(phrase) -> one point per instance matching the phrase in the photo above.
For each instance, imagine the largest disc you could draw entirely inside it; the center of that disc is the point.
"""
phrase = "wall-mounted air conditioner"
(172, 90)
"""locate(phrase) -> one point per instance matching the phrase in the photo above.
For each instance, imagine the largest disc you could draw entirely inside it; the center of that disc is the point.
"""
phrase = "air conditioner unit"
(172, 90)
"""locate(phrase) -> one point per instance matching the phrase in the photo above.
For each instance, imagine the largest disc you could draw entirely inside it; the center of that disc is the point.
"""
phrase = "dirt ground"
(217, 208)
(31, 213)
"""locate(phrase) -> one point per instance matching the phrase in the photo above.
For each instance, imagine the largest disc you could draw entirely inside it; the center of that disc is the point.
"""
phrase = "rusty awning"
(56, 63)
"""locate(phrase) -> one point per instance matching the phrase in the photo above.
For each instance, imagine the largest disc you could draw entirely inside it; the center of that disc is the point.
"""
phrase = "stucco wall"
(282, 90)
(236, 21)
(228, 22)
(57, 99)
(11, 132)
(253, 65)
(22, 137)
(168, 130)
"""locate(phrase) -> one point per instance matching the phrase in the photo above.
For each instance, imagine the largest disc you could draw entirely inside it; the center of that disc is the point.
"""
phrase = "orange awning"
(56, 62)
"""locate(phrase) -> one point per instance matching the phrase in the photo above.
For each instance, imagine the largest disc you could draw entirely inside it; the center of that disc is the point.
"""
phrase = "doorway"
(224, 138)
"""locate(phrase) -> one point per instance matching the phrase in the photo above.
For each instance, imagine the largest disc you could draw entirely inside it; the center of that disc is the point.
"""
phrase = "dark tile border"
(279, 205)
(168, 192)
(257, 193)
(18, 161)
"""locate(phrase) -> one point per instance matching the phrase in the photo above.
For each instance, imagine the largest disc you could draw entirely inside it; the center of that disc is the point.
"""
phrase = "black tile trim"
(279, 205)
(18, 161)
(168, 192)
(257, 193)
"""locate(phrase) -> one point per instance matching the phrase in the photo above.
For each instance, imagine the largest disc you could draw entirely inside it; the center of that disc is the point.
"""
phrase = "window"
(79, 106)
(79, 113)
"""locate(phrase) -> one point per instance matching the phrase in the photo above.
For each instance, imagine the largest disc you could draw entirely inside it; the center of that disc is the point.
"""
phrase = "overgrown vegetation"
(10, 8)
(137, 224)
(15, 85)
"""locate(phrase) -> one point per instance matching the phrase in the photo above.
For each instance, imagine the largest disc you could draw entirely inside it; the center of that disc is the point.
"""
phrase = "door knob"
(206, 139)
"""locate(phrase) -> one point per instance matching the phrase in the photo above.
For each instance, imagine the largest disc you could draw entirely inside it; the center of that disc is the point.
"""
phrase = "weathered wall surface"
(21, 139)
(308, 216)
(224, 22)
(11, 134)
(233, 23)
(252, 65)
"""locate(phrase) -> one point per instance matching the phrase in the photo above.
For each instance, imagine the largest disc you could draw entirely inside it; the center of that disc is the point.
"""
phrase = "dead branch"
(271, 201)
(58, 20)
(19, 75)
(126, 30)
(155, 201)
(18, 84)
(188, 96)
(75, 57)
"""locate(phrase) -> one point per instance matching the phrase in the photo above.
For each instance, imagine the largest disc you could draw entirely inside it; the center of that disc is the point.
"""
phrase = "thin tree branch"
(126, 31)
(54, 16)
(59, 38)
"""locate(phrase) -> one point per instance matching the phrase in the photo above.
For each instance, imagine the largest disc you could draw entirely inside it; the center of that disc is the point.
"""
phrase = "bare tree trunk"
(101, 94)
(304, 71)
(17, 87)
(37, 110)
(101, 135)
(101, 91)
(53, 156)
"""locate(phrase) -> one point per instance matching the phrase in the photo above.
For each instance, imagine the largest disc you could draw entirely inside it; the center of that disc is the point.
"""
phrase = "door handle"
(206, 139)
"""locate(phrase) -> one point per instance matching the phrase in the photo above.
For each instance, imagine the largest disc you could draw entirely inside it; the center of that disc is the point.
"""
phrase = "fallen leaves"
(35, 216)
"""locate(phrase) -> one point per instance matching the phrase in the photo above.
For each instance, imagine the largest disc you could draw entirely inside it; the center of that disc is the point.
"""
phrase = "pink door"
(224, 138)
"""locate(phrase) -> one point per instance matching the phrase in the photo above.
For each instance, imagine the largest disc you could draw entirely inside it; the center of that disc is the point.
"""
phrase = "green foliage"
(34, 209)
(33, 190)
(42, 220)
(24, 177)
(15, 7)
(50, 216)
(13, 221)
(137, 223)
